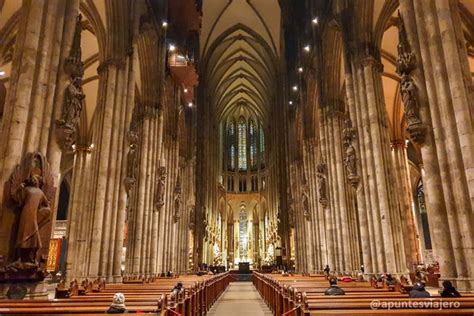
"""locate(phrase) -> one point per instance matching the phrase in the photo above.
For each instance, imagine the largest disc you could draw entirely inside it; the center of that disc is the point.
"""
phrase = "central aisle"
(240, 298)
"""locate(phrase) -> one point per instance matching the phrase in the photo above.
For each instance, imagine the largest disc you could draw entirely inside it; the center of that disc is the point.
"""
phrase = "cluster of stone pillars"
(35, 95)
(370, 221)
(445, 93)
(133, 174)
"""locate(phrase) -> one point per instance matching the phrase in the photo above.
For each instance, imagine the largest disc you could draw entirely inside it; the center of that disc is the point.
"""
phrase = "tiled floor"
(240, 298)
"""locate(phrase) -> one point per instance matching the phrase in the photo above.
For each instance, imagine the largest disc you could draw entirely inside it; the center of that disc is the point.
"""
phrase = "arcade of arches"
(146, 136)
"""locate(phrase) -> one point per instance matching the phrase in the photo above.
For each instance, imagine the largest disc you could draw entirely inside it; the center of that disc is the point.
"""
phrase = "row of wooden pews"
(148, 296)
(304, 295)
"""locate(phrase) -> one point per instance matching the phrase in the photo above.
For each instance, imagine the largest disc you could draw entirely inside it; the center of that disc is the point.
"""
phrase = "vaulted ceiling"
(239, 44)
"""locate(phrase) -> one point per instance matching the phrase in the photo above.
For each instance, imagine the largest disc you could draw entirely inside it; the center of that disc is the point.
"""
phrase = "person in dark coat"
(118, 305)
(333, 288)
(419, 291)
(449, 290)
(326, 270)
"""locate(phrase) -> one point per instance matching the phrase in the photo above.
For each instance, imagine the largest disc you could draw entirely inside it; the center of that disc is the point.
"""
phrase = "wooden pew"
(150, 297)
(301, 295)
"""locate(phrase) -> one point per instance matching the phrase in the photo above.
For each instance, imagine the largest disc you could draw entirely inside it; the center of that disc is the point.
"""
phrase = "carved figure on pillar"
(191, 217)
(31, 190)
(160, 188)
(406, 63)
(177, 201)
(291, 213)
(73, 96)
(132, 161)
(305, 203)
(350, 159)
(321, 174)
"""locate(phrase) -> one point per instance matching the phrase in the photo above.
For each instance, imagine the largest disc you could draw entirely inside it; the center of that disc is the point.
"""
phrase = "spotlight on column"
(315, 20)
(190, 104)
(185, 90)
(300, 69)
(295, 88)
(290, 103)
(172, 48)
(307, 48)
(164, 24)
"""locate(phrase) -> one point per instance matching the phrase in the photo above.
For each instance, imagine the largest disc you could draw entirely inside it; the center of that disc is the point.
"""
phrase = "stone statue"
(291, 215)
(177, 202)
(192, 214)
(160, 188)
(406, 63)
(31, 188)
(322, 190)
(132, 155)
(73, 95)
(412, 108)
(132, 160)
(350, 159)
(305, 203)
(73, 100)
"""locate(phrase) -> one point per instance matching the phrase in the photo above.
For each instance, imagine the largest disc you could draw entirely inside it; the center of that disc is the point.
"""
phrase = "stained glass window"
(242, 145)
(253, 144)
(231, 144)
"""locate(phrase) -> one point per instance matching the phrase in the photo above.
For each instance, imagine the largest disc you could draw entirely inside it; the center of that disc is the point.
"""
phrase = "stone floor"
(240, 298)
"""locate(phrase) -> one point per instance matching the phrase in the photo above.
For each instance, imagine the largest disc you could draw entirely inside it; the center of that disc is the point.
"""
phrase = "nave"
(148, 142)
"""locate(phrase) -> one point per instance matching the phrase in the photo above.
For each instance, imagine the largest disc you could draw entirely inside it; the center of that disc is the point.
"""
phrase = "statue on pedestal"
(160, 188)
(31, 190)
(73, 95)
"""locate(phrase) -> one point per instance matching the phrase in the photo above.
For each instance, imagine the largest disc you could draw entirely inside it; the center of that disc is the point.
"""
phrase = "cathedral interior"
(144, 138)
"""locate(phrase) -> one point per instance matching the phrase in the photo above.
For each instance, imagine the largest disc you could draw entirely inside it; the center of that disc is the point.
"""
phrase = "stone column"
(447, 156)
(405, 200)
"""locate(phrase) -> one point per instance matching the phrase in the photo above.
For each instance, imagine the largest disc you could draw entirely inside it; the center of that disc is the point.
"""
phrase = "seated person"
(390, 280)
(419, 291)
(118, 305)
(449, 290)
(177, 288)
(334, 289)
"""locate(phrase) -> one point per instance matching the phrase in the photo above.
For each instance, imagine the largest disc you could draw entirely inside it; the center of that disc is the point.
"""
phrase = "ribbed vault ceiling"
(239, 55)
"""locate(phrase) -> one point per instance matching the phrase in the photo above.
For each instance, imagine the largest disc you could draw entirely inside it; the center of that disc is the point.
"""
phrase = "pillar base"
(30, 290)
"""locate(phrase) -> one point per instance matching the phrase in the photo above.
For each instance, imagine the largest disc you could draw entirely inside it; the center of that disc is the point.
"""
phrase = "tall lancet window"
(262, 147)
(231, 146)
(242, 145)
(253, 144)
